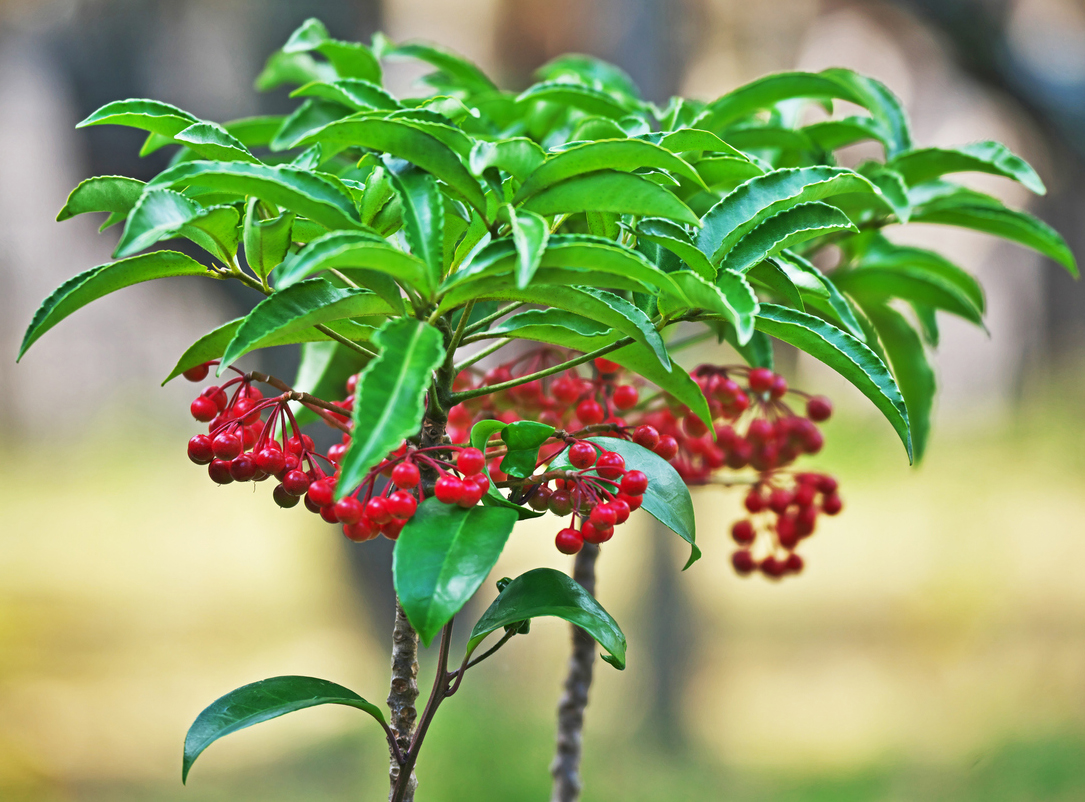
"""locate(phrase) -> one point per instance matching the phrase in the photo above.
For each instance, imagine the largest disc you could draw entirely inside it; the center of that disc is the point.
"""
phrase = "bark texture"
(403, 693)
(565, 770)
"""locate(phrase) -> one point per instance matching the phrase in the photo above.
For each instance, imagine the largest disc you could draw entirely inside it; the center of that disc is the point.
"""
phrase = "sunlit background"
(933, 650)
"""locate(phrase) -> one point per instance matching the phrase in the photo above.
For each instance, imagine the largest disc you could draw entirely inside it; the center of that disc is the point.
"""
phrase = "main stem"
(565, 770)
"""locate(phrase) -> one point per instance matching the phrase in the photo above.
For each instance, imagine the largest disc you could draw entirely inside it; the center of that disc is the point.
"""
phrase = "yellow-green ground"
(934, 649)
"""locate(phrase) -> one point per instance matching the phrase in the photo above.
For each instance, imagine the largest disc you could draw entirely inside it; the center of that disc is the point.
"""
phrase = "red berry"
(787, 531)
(606, 366)
(596, 534)
(565, 390)
(569, 541)
(472, 493)
(610, 465)
(245, 410)
(322, 491)
(376, 510)
(582, 454)
(826, 484)
(604, 516)
(760, 380)
(198, 373)
(793, 564)
(646, 436)
(328, 514)
(819, 408)
(483, 481)
(242, 468)
(406, 475)
(309, 505)
(226, 446)
(621, 510)
(392, 529)
(633, 502)
(760, 431)
(217, 395)
(348, 510)
(755, 502)
(402, 505)
(771, 567)
(806, 520)
(742, 532)
(219, 471)
(832, 504)
(270, 460)
(590, 412)
(296, 482)
(360, 531)
(448, 489)
(561, 503)
(282, 498)
(667, 448)
(743, 562)
(634, 483)
(626, 396)
(779, 386)
(739, 453)
(295, 446)
(292, 463)
(470, 461)
(199, 449)
(694, 426)
(804, 495)
(539, 500)
(780, 500)
(203, 409)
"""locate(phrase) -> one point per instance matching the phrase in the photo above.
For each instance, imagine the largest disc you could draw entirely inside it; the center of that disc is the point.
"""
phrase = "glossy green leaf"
(610, 191)
(354, 249)
(162, 214)
(910, 284)
(349, 59)
(667, 498)
(523, 439)
(674, 238)
(694, 139)
(784, 230)
(263, 701)
(212, 141)
(833, 134)
(846, 355)
(390, 396)
(913, 372)
(310, 116)
(442, 556)
(90, 285)
(323, 371)
(766, 92)
(771, 276)
(881, 253)
(588, 70)
(530, 233)
(518, 156)
(293, 68)
(152, 116)
(760, 198)
(812, 282)
(266, 241)
(578, 96)
(995, 158)
(423, 215)
(353, 93)
(893, 191)
(404, 141)
(298, 190)
(104, 193)
(731, 298)
(624, 155)
(456, 67)
(255, 132)
(542, 323)
(481, 434)
(883, 105)
(726, 171)
(546, 592)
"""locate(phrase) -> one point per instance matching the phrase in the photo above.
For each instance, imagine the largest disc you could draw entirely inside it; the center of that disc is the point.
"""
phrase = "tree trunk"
(403, 694)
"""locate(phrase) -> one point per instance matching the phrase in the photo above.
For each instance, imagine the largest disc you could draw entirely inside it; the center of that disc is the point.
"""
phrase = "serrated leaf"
(766, 92)
(731, 299)
(266, 241)
(914, 285)
(674, 238)
(808, 278)
(925, 164)
(404, 141)
(893, 191)
(310, 116)
(354, 249)
(769, 275)
(423, 215)
(623, 155)
(442, 557)
(526, 325)
(390, 397)
(292, 68)
(667, 498)
(456, 67)
(546, 592)
(784, 230)
(162, 214)
(726, 171)
(578, 96)
(517, 156)
(588, 70)
(263, 701)
(846, 355)
(883, 105)
(255, 132)
(523, 439)
(882, 253)
(148, 115)
(104, 193)
(353, 93)
(348, 59)
(298, 190)
(530, 234)
(760, 198)
(833, 134)
(695, 139)
(610, 191)
(212, 141)
(92, 284)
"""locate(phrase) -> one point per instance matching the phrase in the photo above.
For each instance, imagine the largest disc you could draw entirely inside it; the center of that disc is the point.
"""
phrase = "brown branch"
(402, 695)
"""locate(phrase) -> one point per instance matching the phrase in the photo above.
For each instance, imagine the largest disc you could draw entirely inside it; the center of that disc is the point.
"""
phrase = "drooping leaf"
(442, 557)
(298, 190)
(353, 93)
(349, 59)
(423, 215)
(523, 439)
(92, 284)
(731, 299)
(517, 156)
(115, 194)
(771, 276)
(354, 249)
(152, 116)
(883, 105)
(881, 253)
(610, 191)
(310, 116)
(784, 230)
(292, 68)
(456, 67)
(766, 92)
(530, 233)
(263, 701)
(546, 592)
(832, 134)
(812, 282)
(162, 214)
(893, 191)
(579, 96)
(266, 241)
(390, 396)
(910, 284)
(212, 141)
(674, 238)
(995, 158)
(846, 355)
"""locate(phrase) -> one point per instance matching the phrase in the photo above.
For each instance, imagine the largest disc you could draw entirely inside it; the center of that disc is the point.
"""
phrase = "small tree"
(390, 236)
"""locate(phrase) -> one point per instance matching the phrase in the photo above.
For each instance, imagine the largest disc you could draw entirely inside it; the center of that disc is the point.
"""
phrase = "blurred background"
(934, 649)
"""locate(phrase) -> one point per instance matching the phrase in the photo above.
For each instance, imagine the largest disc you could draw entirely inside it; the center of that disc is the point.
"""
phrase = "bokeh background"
(934, 649)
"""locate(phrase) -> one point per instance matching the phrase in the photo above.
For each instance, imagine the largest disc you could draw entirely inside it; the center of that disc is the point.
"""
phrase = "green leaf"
(104, 193)
(263, 701)
(833, 134)
(323, 372)
(846, 355)
(578, 96)
(310, 116)
(308, 303)
(913, 373)
(783, 230)
(212, 141)
(92, 284)
(354, 249)
(546, 592)
(524, 439)
(255, 132)
(518, 156)
(757, 352)
(292, 68)
(163, 214)
(404, 141)
(547, 322)
(771, 276)
(624, 155)
(390, 396)
(530, 234)
(881, 253)
(766, 92)
(298, 190)
(588, 70)
(693, 139)
(925, 164)
(731, 299)
(982, 213)
(266, 241)
(883, 105)
(454, 66)
(811, 282)
(481, 433)
(349, 59)
(674, 238)
(893, 191)
(423, 215)
(442, 557)
(610, 191)
(751, 203)
(350, 92)
(914, 285)
(667, 498)
(148, 115)
(726, 171)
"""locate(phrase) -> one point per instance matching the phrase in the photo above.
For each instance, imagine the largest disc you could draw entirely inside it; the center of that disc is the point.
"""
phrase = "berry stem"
(314, 404)
(485, 352)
